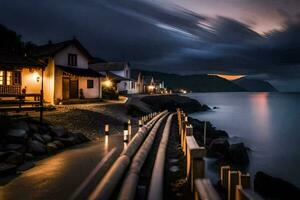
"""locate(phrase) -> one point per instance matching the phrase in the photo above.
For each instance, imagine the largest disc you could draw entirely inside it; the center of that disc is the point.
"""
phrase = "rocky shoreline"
(24, 139)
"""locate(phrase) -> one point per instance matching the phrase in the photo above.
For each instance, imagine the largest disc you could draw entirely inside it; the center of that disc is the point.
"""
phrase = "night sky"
(259, 38)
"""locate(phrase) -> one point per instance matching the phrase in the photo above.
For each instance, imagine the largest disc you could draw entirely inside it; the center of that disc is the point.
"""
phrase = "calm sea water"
(268, 123)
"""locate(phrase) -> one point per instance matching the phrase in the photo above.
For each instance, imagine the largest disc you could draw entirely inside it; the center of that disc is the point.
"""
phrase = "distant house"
(118, 72)
(19, 73)
(67, 72)
(153, 86)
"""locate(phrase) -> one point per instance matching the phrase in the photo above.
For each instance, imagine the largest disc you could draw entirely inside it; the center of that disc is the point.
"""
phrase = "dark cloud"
(166, 38)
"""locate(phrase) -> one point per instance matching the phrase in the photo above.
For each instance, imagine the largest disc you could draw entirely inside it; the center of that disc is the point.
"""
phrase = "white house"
(67, 74)
(119, 71)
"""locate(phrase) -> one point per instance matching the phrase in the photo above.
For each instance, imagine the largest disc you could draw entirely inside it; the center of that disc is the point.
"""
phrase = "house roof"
(52, 49)
(109, 66)
(79, 71)
(115, 77)
(16, 60)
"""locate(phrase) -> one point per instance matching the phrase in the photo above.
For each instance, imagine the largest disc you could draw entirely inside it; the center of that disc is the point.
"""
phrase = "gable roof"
(79, 71)
(16, 60)
(109, 66)
(52, 49)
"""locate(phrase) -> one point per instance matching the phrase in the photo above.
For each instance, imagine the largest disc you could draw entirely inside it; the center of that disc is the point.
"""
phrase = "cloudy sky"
(259, 38)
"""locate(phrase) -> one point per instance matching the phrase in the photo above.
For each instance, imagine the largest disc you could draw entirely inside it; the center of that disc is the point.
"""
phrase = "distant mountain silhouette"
(255, 85)
(195, 83)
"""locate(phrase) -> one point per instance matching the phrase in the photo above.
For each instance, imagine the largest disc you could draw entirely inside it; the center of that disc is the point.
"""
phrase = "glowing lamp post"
(106, 129)
(129, 127)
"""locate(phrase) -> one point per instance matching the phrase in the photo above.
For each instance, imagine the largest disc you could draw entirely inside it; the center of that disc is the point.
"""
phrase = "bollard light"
(106, 129)
(129, 127)
(125, 132)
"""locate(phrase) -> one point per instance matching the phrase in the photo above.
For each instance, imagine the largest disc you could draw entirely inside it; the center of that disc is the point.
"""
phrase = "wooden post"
(224, 176)
(140, 123)
(179, 121)
(195, 162)
(234, 179)
(246, 181)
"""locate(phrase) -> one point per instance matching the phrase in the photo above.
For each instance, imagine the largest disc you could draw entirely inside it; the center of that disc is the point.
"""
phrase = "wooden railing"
(22, 102)
(236, 184)
(10, 89)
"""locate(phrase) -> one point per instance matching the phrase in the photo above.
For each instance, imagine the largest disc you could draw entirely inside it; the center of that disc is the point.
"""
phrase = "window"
(72, 59)
(90, 83)
(1, 77)
(17, 78)
(8, 78)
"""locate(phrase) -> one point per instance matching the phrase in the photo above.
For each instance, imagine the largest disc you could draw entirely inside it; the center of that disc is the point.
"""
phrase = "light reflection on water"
(268, 123)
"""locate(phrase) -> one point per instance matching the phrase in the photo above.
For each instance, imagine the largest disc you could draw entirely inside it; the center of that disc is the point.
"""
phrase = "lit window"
(8, 78)
(1, 77)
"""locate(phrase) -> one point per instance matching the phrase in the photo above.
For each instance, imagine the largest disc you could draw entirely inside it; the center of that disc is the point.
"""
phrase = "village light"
(36, 76)
(151, 87)
(107, 83)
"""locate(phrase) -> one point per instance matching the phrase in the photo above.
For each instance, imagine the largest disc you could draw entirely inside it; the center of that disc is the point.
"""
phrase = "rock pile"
(26, 140)
(218, 145)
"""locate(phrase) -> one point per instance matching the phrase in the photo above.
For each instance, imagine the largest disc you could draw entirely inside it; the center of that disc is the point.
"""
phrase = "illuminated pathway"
(58, 176)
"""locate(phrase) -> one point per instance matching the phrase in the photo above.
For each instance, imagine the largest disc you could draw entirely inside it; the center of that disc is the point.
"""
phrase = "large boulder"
(58, 131)
(47, 138)
(59, 144)
(15, 147)
(28, 156)
(38, 137)
(6, 169)
(16, 136)
(219, 147)
(21, 125)
(172, 102)
(238, 154)
(4, 155)
(274, 188)
(36, 147)
(52, 148)
(34, 127)
(15, 158)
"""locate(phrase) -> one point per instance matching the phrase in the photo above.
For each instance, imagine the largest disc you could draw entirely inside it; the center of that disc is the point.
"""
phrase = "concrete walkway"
(57, 177)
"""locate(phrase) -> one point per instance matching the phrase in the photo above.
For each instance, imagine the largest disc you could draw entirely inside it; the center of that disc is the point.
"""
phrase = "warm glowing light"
(151, 87)
(229, 77)
(36, 76)
(107, 83)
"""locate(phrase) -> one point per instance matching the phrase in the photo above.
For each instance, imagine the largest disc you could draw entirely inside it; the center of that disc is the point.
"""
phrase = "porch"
(21, 84)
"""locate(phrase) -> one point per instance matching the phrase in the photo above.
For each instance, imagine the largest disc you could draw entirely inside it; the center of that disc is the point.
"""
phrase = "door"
(73, 89)
(66, 88)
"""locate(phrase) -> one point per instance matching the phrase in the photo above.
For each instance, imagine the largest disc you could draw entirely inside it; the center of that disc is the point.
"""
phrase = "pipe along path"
(111, 179)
